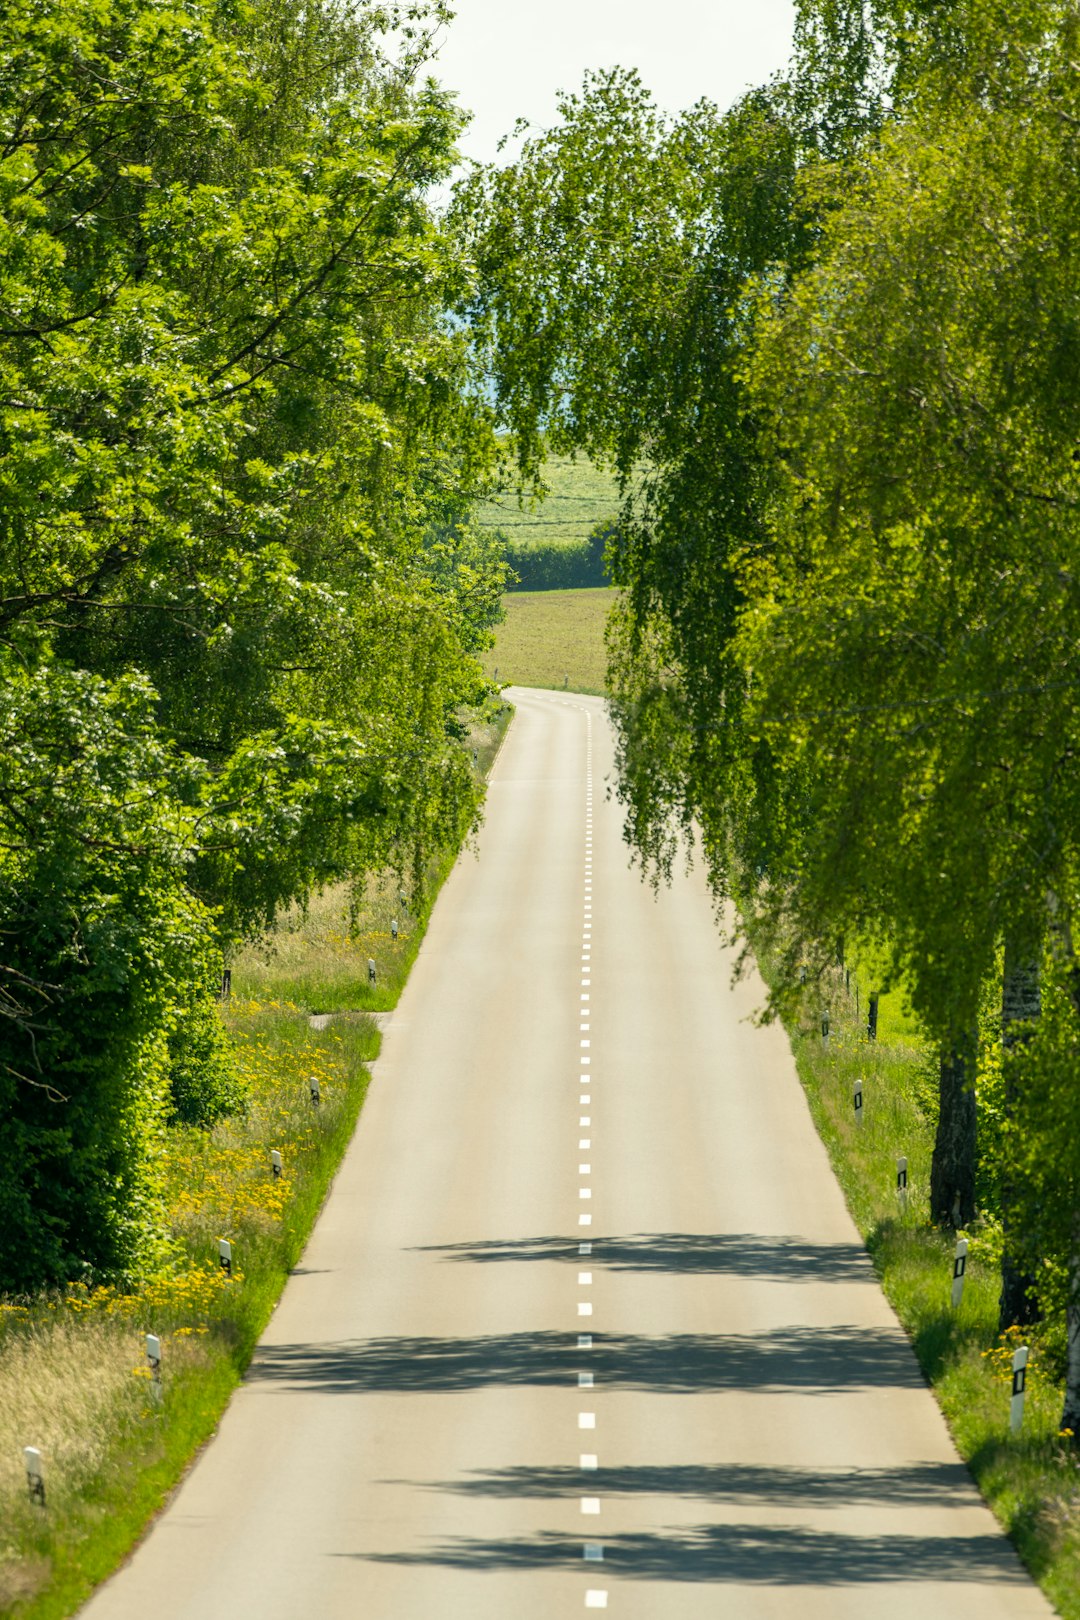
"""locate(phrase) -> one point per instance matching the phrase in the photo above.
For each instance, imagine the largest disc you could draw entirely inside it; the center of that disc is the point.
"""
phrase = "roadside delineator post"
(153, 1357)
(959, 1266)
(35, 1475)
(901, 1184)
(224, 1249)
(313, 1088)
(1019, 1384)
(393, 928)
(371, 970)
(858, 1101)
(276, 1168)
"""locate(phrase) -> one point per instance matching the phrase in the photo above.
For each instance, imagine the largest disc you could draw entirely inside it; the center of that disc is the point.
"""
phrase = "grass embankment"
(579, 497)
(74, 1379)
(552, 639)
(1031, 1481)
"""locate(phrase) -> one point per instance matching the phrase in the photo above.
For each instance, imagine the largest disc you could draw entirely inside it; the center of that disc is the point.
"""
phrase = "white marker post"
(901, 1184)
(224, 1249)
(313, 1087)
(276, 1168)
(393, 929)
(1019, 1383)
(858, 1103)
(959, 1266)
(371, 970)
(153, 1356)
(35, 1475)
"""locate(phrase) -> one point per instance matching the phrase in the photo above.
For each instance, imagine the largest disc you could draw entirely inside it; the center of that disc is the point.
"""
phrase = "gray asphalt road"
(585, 1323)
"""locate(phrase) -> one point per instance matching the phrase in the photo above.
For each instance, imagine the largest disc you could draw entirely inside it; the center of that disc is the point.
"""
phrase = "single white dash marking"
(586, 1043)
(584, 1279)
(589, 1459)
(584, 1248)
(584, 1341)
(594, 1552)
(584, 1144)
(590, 1504)
(584, 1192)
(586, 1420)
(585, 1061)
(584, 1307)
(586, 981)
(584, 1026)
(584, 1119)
(595, 1599)
(584, 1169)
(584, 1220)
(584, 1098)
(584, 1380)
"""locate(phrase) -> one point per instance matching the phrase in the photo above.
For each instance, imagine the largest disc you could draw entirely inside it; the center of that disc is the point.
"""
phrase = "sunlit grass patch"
(553, 639)
(74, 1380)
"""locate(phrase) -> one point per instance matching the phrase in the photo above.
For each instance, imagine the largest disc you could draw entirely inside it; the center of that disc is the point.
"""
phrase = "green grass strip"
(1031, 1481)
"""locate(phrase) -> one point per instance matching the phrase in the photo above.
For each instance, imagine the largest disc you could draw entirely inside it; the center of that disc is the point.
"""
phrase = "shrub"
(561, 567)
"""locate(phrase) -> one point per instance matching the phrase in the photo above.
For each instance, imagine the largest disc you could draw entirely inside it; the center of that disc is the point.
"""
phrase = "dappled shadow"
(820, 1360)
(939, 1485)
(750, 1554)
(749, 1254)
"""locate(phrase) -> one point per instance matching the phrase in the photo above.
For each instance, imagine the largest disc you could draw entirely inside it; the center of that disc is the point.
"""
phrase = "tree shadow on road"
(749, 1254)
(749, 1554)
(822, 1360)
(933, 1485)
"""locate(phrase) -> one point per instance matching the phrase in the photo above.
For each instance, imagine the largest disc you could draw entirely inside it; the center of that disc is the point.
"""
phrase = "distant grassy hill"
(580, 497)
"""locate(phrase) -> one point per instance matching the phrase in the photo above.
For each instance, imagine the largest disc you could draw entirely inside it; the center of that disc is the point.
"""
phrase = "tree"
(913, 625)
(234, 415)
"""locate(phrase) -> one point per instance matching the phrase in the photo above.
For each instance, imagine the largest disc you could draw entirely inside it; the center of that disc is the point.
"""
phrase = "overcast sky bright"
(508, 58)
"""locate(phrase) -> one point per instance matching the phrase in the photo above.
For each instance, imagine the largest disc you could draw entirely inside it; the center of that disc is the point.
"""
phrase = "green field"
(552, 638)
(580, 496)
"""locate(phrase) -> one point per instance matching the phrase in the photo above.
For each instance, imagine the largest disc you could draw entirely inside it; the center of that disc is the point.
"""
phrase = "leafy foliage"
(237, 448)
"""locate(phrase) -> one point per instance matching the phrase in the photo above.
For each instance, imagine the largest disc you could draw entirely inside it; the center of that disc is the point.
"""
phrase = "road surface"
(584, 1323)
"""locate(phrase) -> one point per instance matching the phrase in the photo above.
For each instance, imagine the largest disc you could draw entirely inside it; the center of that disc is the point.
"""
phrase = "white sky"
(507, 58)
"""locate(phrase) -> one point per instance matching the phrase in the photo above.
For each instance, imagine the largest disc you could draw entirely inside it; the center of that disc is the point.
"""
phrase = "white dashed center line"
(595, 1598)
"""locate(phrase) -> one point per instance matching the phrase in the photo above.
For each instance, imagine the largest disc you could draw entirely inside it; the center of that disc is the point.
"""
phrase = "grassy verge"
(1032, 1480)
(552, 639)
(74, 1379)
(317, 955)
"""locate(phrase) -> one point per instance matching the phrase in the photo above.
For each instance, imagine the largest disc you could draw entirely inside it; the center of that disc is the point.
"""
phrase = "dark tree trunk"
(952, 1169)
(1070, 1417)
(1021, 1004)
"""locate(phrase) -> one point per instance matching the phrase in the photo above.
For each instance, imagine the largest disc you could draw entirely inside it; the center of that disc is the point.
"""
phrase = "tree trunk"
(1020, 1006)
(1070, 1417)
(952, 1169)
